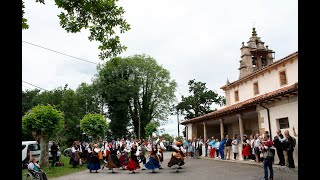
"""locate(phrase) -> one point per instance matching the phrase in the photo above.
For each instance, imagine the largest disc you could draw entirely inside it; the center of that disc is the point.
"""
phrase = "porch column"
(241, 136)
(204, 138)
(221, 129)
(204, 130)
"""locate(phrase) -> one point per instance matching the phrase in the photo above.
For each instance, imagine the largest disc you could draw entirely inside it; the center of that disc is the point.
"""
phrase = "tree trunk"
(44, 160)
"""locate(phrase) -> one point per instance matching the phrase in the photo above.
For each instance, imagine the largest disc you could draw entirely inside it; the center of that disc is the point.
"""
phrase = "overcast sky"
(198, 40)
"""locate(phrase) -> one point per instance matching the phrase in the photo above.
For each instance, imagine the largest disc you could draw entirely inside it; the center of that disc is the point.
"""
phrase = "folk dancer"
(177, 157)
(133, 163)
(94, 163)
(113, 161)
(123, 156)
(153, 162)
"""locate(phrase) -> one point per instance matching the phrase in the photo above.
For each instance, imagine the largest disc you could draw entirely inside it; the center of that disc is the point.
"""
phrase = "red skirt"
(132, 165)
(246, 151)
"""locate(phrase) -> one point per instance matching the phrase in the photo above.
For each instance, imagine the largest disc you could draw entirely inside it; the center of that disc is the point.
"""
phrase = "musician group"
(131, 155)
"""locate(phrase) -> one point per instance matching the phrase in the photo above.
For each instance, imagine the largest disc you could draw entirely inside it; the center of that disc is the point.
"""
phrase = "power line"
(60, 53)
(34, 85)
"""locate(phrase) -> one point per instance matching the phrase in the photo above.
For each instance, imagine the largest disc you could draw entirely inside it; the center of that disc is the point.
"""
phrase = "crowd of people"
(251, 147)
(126, 154)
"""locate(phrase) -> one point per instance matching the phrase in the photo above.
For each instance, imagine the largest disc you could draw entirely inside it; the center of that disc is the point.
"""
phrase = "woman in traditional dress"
(133, 163)
(75, 156)
(123, 157)
(177, 158)
(113, 161)
(94, 164)
(246, 147)
(153, 162)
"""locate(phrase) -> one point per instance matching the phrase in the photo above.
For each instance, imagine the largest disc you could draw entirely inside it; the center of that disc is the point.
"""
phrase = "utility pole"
(178, 123)
(139, 125)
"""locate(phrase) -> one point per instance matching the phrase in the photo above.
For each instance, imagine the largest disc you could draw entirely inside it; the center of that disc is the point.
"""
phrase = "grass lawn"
(61, 170)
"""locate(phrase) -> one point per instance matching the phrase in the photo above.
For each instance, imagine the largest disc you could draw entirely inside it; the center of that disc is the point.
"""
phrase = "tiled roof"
(260, 70)
(245, 104)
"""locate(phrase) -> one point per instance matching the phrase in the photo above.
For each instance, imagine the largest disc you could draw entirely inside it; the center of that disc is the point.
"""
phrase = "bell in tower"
(254, 56)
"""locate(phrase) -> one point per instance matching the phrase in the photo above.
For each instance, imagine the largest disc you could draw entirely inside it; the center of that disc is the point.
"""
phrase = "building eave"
(247, 104)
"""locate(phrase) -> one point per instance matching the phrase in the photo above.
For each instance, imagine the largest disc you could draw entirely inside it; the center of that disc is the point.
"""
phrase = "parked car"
(67, 152)
(29, 149)
(50, 155)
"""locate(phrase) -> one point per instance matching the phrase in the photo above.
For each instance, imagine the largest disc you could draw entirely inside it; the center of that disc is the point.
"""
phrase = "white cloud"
(192, 39)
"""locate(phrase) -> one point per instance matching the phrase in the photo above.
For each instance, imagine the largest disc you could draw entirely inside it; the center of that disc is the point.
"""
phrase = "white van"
(29, 149)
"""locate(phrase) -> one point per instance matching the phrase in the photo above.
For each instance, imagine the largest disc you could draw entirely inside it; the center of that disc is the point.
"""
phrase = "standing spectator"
(235, 148)
(200, 146)
(221, 147)
(190, 149)
(54, 153)
(278, 144)
(256, 146)
(268, 156)
(289, 145)
(217, 144)
(195, 145)
(228, 147)
(213, 147)
(251, 141)
(206, 144)
(187, 147)
(246, 148)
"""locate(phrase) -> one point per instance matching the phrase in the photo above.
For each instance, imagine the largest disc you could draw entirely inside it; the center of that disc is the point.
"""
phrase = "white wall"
(189, 126)
(285, 108)
(267, 82)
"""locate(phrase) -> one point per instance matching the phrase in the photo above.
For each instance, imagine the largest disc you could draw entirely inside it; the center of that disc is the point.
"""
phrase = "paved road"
(194, 169)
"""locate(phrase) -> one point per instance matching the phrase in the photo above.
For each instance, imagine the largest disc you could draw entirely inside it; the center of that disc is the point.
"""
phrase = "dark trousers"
(200, 152)
(217, 152)
(143, 159)
(235, 155)
(290, 159)
(281, 156)
(221, 150)
(206, 151)
(54, 159)
(267, 164)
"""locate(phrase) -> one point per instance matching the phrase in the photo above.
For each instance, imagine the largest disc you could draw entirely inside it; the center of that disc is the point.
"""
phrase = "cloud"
(198, 40)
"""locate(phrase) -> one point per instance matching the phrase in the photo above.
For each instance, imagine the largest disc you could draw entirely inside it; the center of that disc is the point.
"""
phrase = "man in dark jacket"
(278, 144)
(228, 147)
(289, 145)
(54, 153)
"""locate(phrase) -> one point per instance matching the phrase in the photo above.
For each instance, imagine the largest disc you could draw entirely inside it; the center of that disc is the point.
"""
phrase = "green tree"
(94, 125)
(43, 122)
(101, 17)
(167, 137)
(200, 101)
(30, 98)
(135, 87)
(151, 127)
(88, 100)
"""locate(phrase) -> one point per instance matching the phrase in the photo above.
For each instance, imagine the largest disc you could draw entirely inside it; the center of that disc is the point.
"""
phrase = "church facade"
(264, 98)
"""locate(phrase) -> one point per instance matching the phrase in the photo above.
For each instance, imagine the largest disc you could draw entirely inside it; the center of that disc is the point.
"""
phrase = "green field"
(59, 171)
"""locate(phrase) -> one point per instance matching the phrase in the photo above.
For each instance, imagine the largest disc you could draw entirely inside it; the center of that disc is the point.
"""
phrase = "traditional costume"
(113, 161)
(75, 156)
(246, 148)
(177, 158)
(133, 163)
(123, 156)
(153, 162)
(161, 149)
(94, 163)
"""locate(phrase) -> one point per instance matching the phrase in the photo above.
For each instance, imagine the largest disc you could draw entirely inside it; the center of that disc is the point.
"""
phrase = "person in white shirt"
(257, 145)
(161, 150)
(217, 147)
